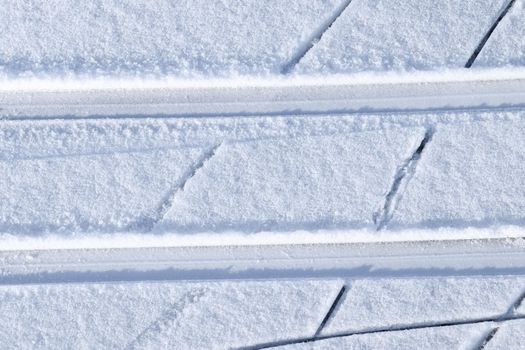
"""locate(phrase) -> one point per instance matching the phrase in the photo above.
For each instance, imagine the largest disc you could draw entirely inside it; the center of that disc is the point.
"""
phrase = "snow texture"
(198, 39)
(471, 174)
(506, 46)
(188, 175)
(146, 315)
(137, 38)
(372, 304)
(88, 192)
(386, 35)
(510, 335)
(284, 184)
(108, 176)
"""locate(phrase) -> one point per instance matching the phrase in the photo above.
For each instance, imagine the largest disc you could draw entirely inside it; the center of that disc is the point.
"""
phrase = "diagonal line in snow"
(314, 38)
(486, 339)
(398, 328)
(166, 319)
(511, 311)
(331, 311)
(401, 179)
(488, 34)
(148, 223)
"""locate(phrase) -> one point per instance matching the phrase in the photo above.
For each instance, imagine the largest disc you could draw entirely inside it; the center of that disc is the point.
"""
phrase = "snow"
(201, 40)
(506, 46)
(196, 175)
(234, 314)
(371, 304)
(453, 337)
(510, 335)
(278, 174)
(385, 35)
(146, 315)
(155, 38)
(283, 184)
(87, 192)
(469, 175)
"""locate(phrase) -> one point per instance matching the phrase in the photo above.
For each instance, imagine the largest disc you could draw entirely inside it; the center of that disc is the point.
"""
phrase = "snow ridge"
(402, 177)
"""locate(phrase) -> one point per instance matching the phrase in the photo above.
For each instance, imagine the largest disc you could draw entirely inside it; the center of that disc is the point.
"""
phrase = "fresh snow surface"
(235, 314)
(252, 174)
(283, 184)
(371, 304)
(148, 315)
(470, 174)
(506, 46)
(137, 38)
(75, 176)
(198, 39)
(386, 35)
(440, 338)
(88, 192)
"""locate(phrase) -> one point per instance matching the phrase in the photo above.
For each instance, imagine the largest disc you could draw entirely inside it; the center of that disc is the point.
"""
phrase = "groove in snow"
(148, 223)
(401, 179)
(487, 338)
(488, 34)
(314, 39)
(331, 311)
(387, 329)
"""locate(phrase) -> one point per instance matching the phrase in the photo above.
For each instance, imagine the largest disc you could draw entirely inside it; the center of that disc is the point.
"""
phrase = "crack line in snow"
(398, 328)
(511, 311)
(486, 339)
(166, 319)
(314, 39)
(331, 311)
(488, 34)
(402, 177)
(147, 224)
(514, 306)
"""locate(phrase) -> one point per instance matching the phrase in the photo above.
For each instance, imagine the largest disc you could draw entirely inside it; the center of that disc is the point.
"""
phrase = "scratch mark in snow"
(488, 34)
(511, 312)
(486, 339)
(166, 320)
(332, 309)
(314, 39)
(401, 179)
(148, 223)
(387, 329)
